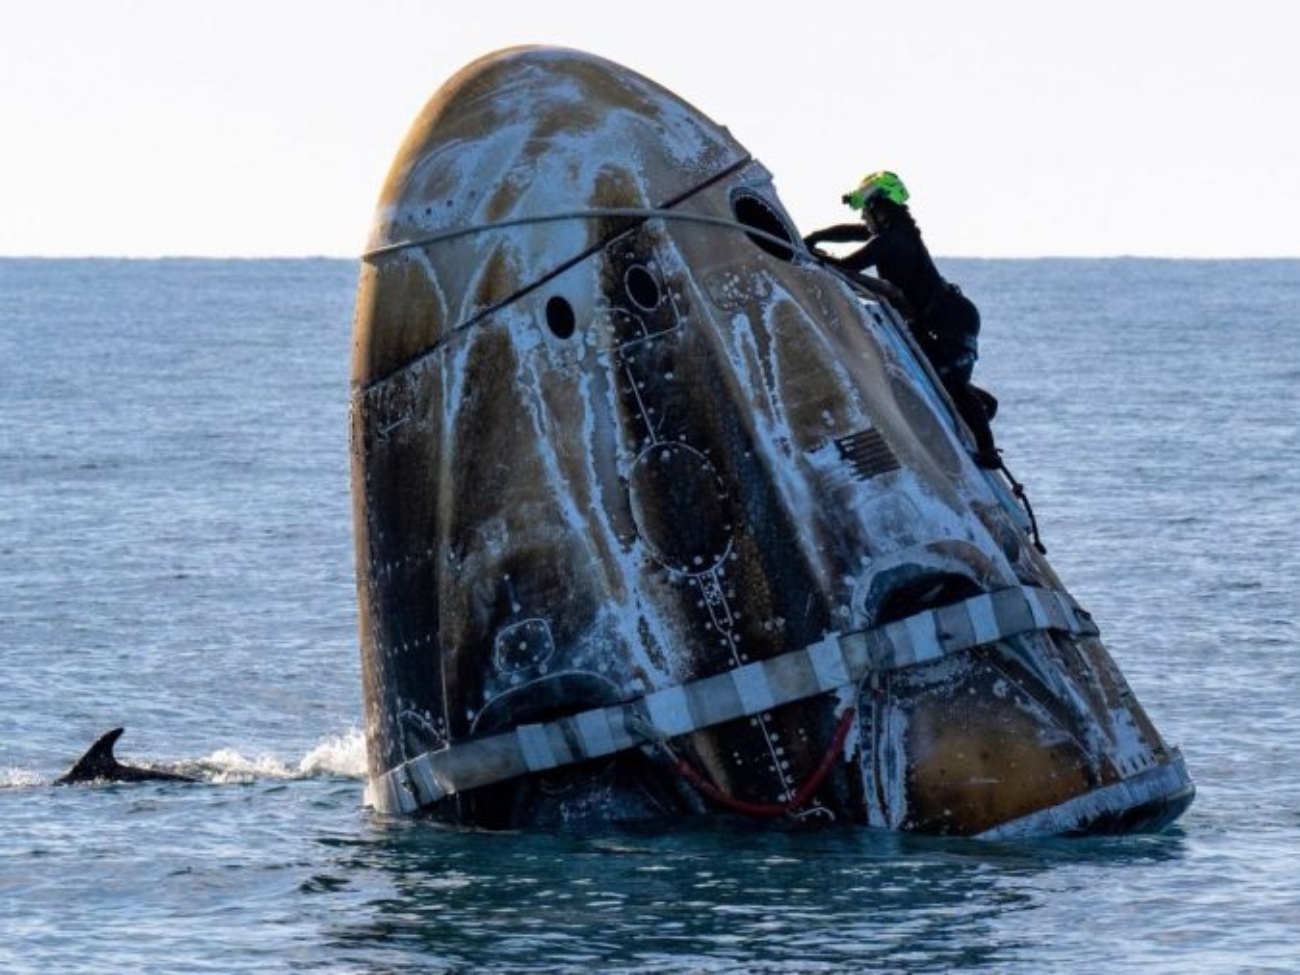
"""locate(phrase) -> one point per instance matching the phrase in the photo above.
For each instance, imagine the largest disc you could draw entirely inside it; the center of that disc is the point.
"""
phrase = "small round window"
(754, 211)
(559, 317)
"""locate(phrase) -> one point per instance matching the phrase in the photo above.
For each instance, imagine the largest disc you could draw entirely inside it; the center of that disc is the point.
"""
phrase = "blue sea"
(176, 557)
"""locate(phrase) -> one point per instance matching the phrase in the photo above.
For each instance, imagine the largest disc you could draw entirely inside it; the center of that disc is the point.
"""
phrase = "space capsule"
(658, 517)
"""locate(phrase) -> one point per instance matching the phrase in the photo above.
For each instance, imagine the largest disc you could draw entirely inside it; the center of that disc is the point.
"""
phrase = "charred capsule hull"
(655, 516)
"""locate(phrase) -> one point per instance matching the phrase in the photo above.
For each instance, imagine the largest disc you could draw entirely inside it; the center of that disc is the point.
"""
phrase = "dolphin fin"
(100, 764)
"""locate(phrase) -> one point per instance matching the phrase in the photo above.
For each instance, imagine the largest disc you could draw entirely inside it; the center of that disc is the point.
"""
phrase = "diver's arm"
(868, 255)
(843, 233)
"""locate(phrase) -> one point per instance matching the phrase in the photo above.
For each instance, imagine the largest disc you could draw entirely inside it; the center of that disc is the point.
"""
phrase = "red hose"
(773, 809)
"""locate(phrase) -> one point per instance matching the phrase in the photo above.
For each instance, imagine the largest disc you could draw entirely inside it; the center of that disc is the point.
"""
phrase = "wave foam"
(343, 755)
(20, 778)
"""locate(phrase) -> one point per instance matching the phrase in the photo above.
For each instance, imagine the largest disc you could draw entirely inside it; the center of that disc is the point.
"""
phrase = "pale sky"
(1022, 127)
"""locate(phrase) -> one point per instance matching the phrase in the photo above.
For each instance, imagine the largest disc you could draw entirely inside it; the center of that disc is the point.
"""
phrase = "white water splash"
(344, 755)
(340, 755)
(20, 778)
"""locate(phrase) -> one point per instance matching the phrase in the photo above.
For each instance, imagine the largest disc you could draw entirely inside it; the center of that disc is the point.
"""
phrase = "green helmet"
(882, 183)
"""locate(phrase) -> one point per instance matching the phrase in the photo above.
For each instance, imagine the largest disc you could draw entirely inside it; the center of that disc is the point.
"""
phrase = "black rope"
(1018, 490)
(635, 216)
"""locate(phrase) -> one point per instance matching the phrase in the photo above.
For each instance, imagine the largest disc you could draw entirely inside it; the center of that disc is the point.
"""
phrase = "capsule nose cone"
(513, 141)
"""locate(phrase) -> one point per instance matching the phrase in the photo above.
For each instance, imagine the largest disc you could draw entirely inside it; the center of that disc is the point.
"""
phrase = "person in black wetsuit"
(942, 320)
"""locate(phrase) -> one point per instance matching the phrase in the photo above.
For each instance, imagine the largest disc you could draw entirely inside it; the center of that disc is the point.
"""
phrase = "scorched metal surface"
(626, 458)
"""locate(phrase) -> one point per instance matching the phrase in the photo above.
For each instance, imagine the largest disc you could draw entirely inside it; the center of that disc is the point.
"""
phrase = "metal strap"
(833, 662)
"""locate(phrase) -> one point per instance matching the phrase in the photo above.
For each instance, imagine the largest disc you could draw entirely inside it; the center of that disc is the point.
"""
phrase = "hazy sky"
(1022, 127)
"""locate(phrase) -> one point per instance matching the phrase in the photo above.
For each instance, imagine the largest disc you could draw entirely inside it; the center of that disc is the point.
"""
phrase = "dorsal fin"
(99, 761)
(99, 764)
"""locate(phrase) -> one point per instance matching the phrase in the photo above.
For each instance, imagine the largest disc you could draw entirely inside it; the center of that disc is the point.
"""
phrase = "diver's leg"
(971, 408)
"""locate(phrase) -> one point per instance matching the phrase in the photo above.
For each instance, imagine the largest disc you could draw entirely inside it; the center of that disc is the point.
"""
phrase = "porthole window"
(559, 317)
(754, 211)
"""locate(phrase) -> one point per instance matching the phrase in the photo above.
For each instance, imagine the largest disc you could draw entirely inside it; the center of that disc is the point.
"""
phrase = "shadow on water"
(704, 898)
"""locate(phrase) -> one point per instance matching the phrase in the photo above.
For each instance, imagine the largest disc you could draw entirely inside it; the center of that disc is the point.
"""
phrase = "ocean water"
(176, 557)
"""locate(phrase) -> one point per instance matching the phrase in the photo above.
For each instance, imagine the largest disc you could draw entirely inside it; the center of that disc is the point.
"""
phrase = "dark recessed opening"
(923, 593)
(642, 288)
(559, 317)
(754, 211)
